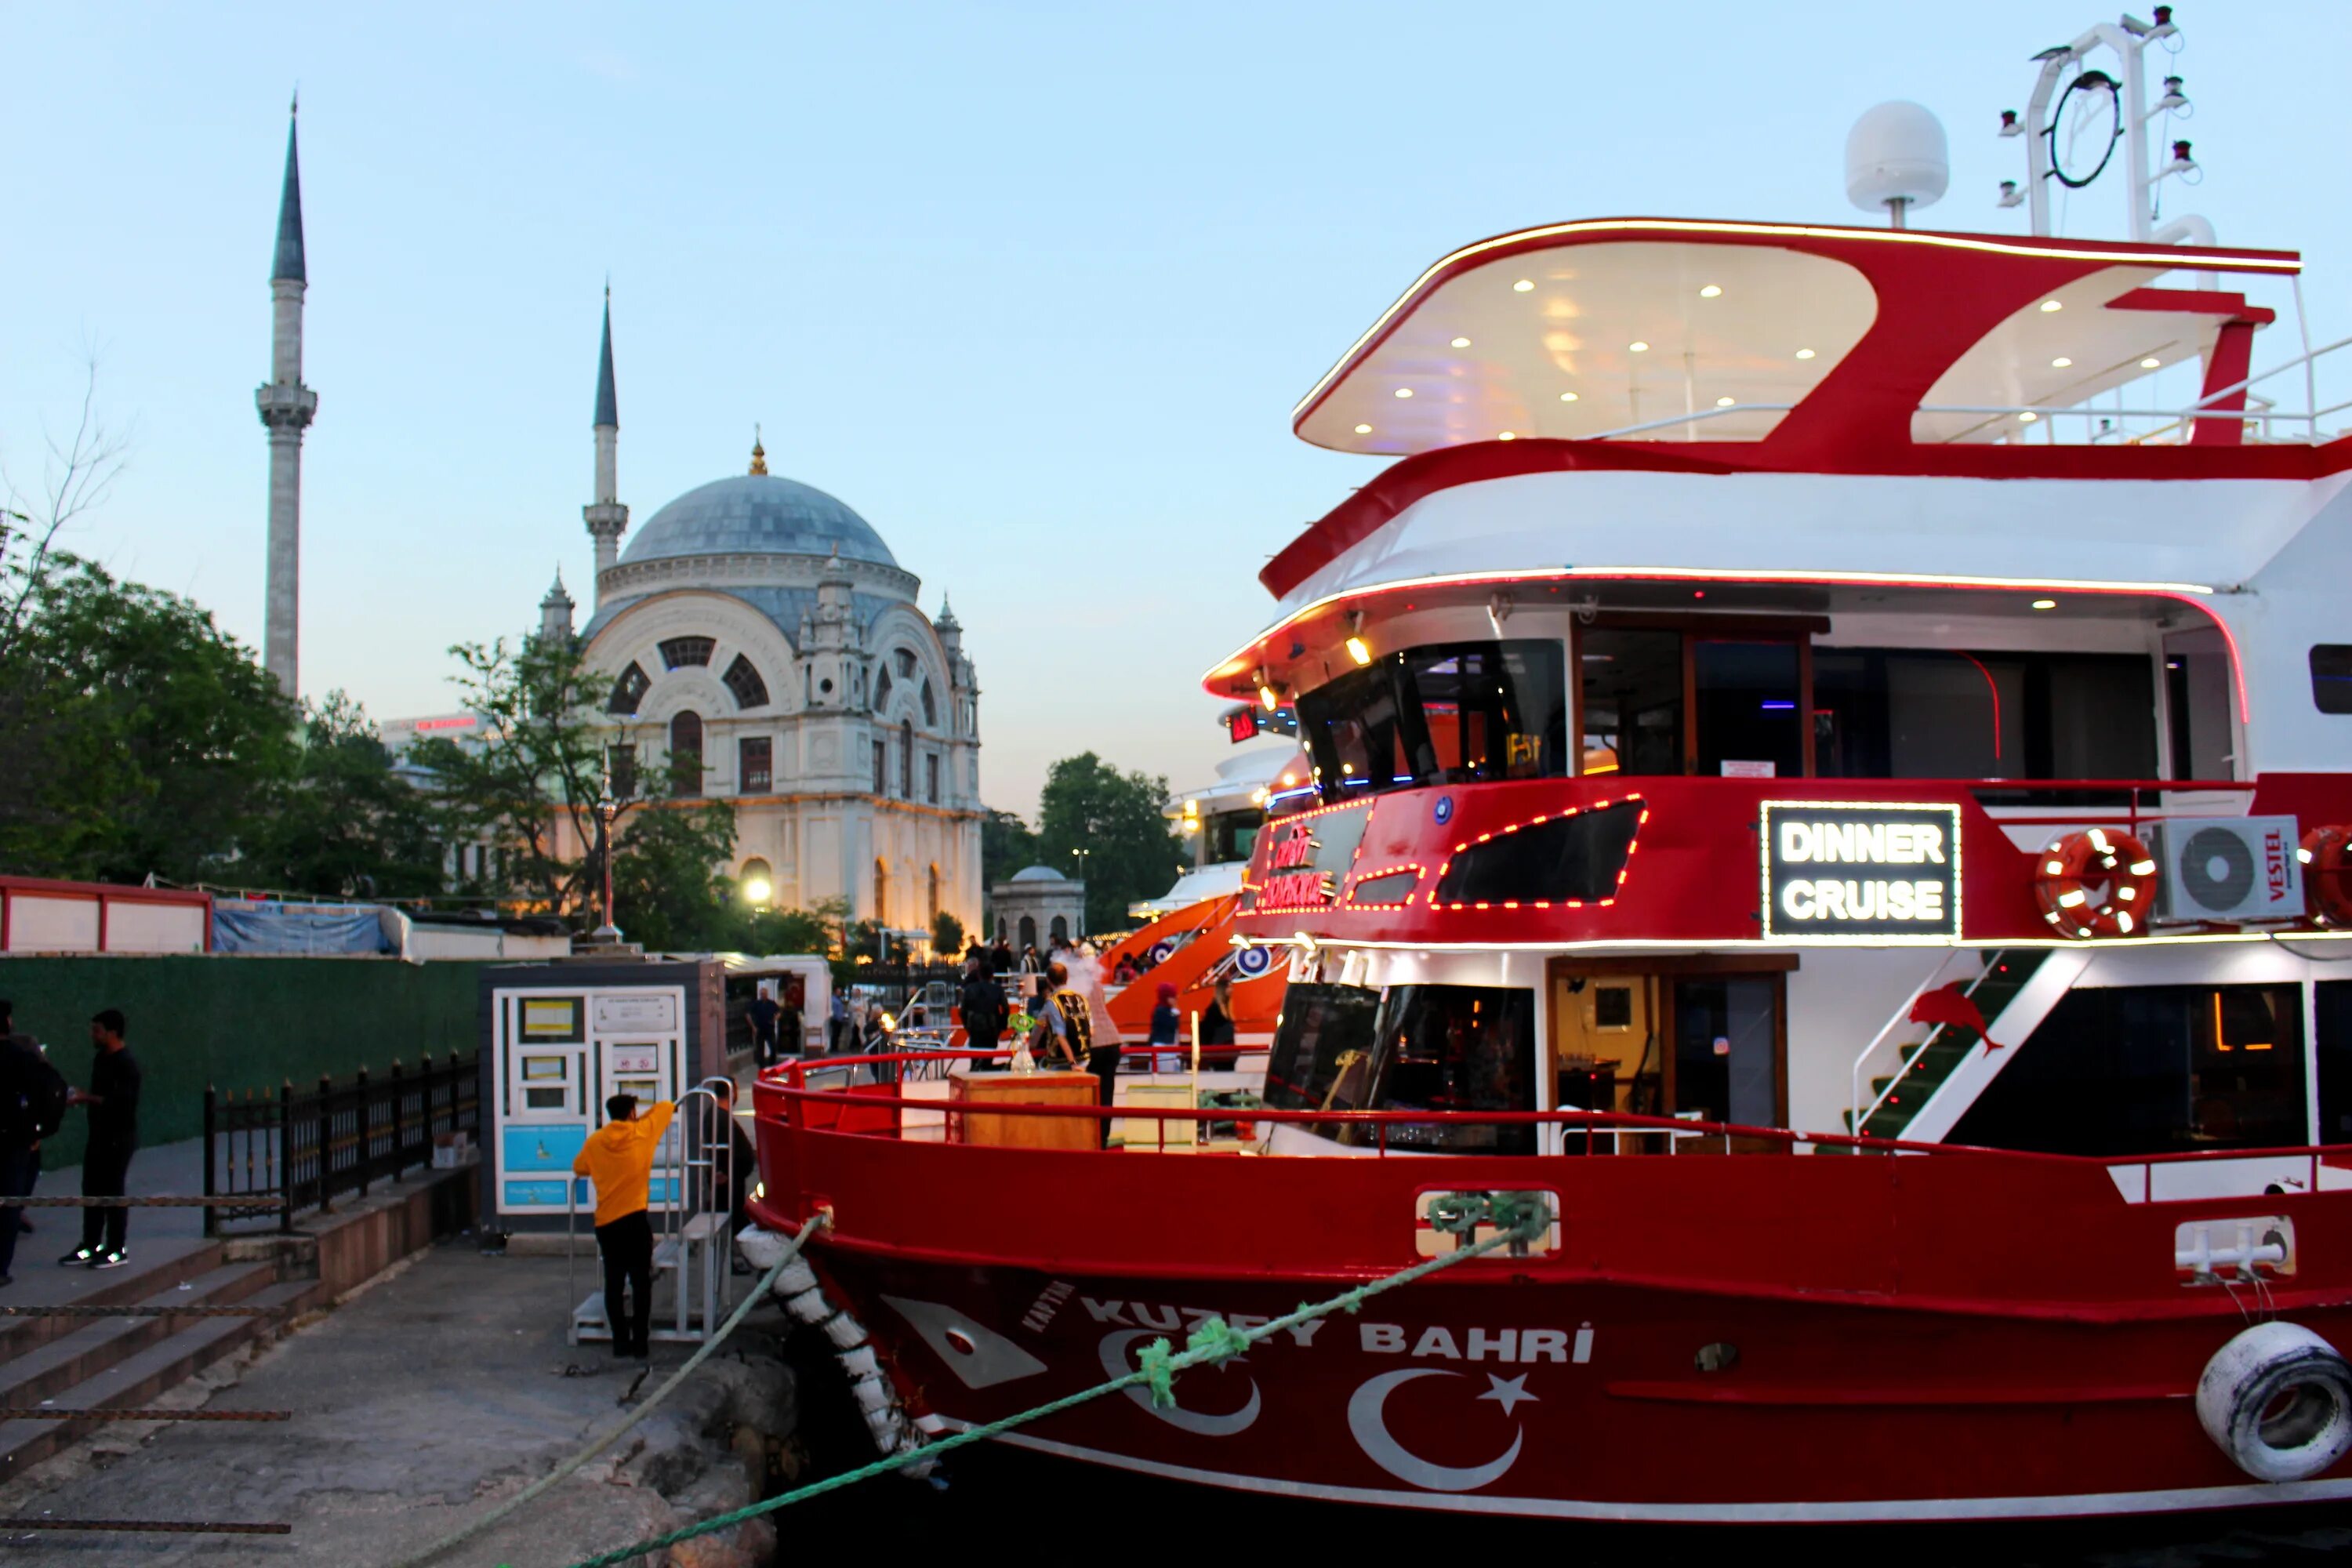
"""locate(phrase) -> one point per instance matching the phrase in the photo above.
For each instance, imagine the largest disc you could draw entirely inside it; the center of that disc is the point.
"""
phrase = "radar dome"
(1895, 157)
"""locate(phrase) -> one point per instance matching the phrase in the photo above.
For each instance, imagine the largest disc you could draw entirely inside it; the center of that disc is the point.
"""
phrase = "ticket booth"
(559, 1039)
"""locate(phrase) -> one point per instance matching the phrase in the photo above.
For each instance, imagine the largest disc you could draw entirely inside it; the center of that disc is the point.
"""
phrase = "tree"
(348, 826)
(1088, 805)
(947, 934)
(671, 892)
(1006, 846)
(140, 737)
(539, 763)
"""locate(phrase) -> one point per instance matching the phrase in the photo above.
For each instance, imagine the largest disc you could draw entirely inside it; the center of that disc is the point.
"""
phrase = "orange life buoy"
(2095, 883)
(2327, 869)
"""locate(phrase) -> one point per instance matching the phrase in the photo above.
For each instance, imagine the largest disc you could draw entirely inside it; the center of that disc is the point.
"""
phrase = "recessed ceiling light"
(1523, 286)
(1568, 397)
(2061, 362)
(1462, 343)
(1363, 429)
(2045, 604)
(2150, 362)
(1711, 291)
(1508, 435)
(2050, 305)
(1804, 353)
(2028, 417)
(1404, 392)
(1638, 346)
(1722, 402)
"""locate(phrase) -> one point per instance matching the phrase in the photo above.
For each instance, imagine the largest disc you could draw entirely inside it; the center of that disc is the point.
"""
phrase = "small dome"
(1039, 874)
(758, 514)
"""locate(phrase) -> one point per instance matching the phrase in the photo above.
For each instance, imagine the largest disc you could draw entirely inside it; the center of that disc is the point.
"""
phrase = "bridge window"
(1450, 713)
(1917, 714)
(2331, 677)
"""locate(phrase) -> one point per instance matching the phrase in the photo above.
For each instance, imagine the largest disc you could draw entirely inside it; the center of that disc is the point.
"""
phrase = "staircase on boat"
(2012, 991)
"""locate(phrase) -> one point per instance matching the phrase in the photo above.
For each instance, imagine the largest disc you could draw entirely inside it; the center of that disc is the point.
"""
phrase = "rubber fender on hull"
(2278, 1400)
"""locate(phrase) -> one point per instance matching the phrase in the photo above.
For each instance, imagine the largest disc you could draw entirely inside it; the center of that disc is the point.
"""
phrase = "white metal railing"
(1863, 1110)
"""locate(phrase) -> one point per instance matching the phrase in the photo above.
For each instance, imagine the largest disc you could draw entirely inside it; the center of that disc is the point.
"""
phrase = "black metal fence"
(298, 1151)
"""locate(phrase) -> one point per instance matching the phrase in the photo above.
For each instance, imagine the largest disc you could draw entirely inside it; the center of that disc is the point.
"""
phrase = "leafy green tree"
(671, 892)
(817, 930)
(348, 825)
(140, 737)
(1129, 851)
(947, 934)
(1006, 846)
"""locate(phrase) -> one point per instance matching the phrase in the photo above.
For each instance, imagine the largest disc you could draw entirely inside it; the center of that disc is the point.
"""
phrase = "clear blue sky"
(1032, 288)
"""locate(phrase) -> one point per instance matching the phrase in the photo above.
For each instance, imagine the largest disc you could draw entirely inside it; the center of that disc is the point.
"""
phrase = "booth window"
(755, 765)
(2331, 677)
(681, 652)
(2152, 1069)
(1446, 713)
(744, 681)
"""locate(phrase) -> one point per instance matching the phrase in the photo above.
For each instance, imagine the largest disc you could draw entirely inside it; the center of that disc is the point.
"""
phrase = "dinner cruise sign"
(1861, 873)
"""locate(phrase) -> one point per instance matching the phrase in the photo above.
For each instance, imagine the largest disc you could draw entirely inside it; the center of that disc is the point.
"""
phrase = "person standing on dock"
(619, 1158)
(981, 1005)
(112, 1098)
(31, 1094)
(765, 1011)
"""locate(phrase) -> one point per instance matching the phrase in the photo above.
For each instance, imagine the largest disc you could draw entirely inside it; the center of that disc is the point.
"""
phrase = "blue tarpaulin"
(242, 926)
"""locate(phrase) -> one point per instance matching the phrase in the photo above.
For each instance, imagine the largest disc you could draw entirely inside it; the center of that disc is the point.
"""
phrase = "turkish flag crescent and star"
(1950, 1006)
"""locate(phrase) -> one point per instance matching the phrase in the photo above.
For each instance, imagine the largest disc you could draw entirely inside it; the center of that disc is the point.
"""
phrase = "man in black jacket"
(20, 1142)
(113, 1100)
(980, 1003)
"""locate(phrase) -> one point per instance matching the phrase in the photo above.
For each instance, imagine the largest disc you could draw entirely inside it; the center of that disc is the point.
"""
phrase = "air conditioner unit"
(2236, 868)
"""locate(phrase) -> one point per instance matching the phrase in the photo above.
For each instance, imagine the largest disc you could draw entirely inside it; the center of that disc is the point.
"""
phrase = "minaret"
(555, 611)
(607, 517)
(287, 407)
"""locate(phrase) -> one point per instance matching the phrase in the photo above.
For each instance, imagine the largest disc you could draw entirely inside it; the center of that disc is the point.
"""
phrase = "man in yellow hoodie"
(619, 1158)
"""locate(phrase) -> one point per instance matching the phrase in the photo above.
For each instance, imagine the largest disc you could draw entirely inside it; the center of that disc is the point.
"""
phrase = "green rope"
(1524, 1216)
(734, 1318)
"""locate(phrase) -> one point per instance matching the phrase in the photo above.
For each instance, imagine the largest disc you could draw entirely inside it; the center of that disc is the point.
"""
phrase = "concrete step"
(137, 1380)
(92, 1345)
(142, 1277)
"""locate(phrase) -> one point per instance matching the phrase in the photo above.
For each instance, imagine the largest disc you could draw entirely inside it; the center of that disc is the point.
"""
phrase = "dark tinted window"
(628, 691)
(744, 681)
(1457, 1048)
(1632, 700)
(755, 765)
(2331, 677)
(2151, 1069)
(2331, 1028)
(1747, 698)
(1452, 713)
(1326, 1031)
(686, 753)
(681, 652)
(1918, 713)
(1575, 856)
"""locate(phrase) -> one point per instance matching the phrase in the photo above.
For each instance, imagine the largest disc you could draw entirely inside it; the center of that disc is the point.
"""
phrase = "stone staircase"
(81, 1362)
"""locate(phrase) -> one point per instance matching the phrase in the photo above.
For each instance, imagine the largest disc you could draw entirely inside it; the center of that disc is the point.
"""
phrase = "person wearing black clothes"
(1000, 957)
(113, 1100)
(20, 1143)
(791, 1037)
(1217, 1023)
(765, 1010)
(981, 1003)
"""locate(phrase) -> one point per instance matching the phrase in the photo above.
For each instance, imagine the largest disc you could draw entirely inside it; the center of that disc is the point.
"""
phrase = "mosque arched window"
(1060, 931)
(744, 681)
(629, 689)
(686, 753)
(881, 690)
(906, 761)
(905, 663)
(680, 652)
(930, 707)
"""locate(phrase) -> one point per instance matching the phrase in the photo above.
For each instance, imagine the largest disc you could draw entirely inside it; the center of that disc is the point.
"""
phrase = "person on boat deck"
(1077, 1018)
(1000, 957)
(619, 1158)
(1049, 1042)
(980, 1003)
(1030, 963)
(1166, 1025)
(1217, 1023)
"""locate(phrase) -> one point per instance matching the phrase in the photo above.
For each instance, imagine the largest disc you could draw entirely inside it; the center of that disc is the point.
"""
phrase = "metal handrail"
(1901, 1015)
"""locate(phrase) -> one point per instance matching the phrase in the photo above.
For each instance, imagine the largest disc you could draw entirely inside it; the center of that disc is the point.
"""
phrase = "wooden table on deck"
(969, 1126)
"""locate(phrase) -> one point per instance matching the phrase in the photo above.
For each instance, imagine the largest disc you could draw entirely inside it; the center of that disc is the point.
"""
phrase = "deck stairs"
(81, 1362)
(1896, 1098)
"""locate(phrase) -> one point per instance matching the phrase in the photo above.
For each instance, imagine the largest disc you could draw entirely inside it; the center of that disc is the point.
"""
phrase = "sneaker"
(79, 1258)
(108, 1260)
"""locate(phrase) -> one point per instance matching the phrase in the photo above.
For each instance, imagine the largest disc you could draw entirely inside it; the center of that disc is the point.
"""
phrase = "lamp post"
(606, 812)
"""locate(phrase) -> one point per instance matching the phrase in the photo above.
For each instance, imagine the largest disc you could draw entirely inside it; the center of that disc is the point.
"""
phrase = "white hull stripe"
(2183, 1499)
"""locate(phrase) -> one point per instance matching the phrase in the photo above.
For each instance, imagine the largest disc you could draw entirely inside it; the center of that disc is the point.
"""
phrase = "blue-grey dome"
(758, 514)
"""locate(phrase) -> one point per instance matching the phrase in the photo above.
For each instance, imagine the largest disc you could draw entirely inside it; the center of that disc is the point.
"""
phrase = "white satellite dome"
(1895, 157)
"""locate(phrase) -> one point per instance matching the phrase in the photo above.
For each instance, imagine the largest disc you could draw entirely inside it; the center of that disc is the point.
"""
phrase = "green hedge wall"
(238, 1022)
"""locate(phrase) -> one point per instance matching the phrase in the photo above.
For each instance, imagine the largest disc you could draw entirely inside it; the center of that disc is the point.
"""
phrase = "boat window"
(1727, 1060)
(1454, 1048)
(1746, 694)
(2197, 704)
(2331, 1030)
(1451, 713)
(2151, 1069)
(1633, 687)
(1231, 835)
(1935, 714)
(2331, 677)
(1325, 1035)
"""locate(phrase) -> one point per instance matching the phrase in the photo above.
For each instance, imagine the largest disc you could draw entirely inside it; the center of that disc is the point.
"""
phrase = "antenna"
(1896, 158)
(2127, 101)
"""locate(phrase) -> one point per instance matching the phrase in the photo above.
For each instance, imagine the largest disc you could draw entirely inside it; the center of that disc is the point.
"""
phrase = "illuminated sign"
(1306, 857)
(1870, 873)
(462, 722)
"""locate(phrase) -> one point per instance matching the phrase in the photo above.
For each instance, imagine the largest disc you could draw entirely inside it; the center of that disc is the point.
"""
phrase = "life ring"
(2278, 1400)
(2327, 868)
(2095, 883)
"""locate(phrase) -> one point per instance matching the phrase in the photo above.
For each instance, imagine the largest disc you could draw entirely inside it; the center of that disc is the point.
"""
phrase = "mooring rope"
(734, 1319)
(1518, 1216)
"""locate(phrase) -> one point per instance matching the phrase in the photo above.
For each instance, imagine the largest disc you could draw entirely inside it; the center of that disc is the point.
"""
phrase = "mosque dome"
(1039, 874)
(757, 514)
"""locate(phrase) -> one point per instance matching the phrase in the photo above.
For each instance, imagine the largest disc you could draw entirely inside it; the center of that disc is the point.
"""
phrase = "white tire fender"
(2278, 1400)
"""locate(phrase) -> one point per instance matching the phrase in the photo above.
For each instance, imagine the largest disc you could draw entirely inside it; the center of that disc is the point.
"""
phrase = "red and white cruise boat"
(1796, 681)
